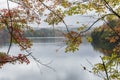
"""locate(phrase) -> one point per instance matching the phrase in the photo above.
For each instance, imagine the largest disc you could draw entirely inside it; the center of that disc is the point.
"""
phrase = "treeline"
(43, 32)
(39, 32)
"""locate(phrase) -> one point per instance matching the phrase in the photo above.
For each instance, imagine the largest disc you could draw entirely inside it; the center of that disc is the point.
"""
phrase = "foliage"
(62, 8)
(105, 38)
(5, 58)
(73, 40)
(54, 19)
(17, 20)
(108, 41)
(110, 65)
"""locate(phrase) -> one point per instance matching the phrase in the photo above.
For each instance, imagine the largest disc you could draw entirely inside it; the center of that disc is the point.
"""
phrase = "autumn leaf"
(112, 40)
(89, 39)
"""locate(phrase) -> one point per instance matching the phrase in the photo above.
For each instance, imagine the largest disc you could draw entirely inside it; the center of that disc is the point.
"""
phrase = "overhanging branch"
(111, 9)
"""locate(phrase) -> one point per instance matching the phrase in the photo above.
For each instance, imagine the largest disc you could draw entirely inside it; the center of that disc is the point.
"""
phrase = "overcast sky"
(69, 20)
(3, 4)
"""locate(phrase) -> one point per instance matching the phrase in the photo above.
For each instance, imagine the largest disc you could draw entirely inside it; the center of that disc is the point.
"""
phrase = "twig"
(100, 74)
(57, 16)
(94, 23)
(28, 7)
(104, 66)
(91, 26)
(42, 63)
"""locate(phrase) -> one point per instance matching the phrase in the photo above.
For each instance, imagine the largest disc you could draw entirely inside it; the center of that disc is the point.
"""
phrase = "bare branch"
(91, 26)
(94, 23)
(42, 63)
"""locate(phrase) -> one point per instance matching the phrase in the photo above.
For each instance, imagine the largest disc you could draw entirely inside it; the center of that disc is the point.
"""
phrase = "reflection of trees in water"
(102, 38)
(47, 39)
(102, 45)
(102, 50)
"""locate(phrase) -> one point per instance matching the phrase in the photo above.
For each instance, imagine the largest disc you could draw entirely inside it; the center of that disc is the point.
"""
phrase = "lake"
(50, 51)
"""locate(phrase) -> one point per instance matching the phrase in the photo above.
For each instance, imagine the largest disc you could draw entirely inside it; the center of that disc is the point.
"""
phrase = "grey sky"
(3, 4)
(71, 20)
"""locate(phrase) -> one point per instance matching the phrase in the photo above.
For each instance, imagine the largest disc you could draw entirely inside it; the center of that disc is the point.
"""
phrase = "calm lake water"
(51, 51)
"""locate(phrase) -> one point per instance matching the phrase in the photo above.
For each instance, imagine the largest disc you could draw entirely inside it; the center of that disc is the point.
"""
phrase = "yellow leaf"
(89, 39)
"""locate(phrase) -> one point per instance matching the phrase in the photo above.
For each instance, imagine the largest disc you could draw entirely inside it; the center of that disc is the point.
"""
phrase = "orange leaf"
(112, 40)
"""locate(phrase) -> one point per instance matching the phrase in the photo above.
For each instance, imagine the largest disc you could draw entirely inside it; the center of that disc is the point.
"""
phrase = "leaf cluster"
(72, 41)
(5, 58)
(109, 64)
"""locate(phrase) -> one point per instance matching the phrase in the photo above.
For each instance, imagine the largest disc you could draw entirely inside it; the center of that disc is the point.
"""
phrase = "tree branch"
(9, 61)
(57, 16)
(104, 66)
(10, 27)
(111, 9)
(91, 26)
(42, 63)
(112, 28)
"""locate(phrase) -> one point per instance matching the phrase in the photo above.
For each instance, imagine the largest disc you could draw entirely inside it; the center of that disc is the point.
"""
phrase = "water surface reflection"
(67, 66)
